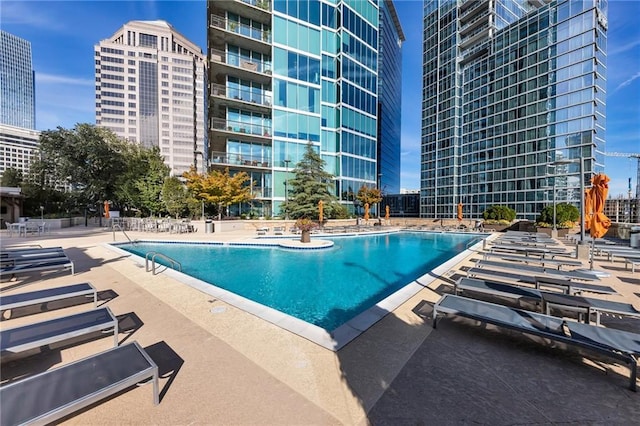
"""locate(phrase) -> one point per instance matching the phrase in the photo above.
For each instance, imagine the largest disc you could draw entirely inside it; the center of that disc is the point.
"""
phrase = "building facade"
(17, 148)
(150, 90)
(17, 82)
(513, 103)
(389, 98)
(286, 74)
(623, 210)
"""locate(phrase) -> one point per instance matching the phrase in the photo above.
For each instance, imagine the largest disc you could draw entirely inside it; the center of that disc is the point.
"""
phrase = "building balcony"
(225, 63)
(475, 22)
(469, 9)
(235, 27)
(223, 159)
(248, 129)
(244, 95)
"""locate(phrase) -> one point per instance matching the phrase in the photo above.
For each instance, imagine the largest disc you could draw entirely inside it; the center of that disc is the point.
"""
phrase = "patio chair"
(616, 344)
(57, 393)
(14, 341)
(59, 264)
(576, 275)
(586, 307)
(19, 300)
(37, 258)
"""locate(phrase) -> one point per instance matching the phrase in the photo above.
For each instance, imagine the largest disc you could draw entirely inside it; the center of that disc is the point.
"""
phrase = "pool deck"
(222, 366)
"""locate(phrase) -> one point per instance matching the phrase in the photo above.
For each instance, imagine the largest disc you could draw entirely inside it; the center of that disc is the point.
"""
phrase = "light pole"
(286, 190)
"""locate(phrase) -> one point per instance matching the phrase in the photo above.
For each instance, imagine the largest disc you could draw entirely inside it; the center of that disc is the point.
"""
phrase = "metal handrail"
(117, 225)
(153, 255)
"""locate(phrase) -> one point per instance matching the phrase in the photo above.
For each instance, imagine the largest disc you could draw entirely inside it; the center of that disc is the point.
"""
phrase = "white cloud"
(627, 82)
(28, 14)
(42, 78)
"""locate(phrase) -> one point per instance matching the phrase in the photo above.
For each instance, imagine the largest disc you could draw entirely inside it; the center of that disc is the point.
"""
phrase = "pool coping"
(334, 340)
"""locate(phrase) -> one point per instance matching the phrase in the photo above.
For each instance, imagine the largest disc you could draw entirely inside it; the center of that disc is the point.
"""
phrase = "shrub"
(499, 213)
(566, 216)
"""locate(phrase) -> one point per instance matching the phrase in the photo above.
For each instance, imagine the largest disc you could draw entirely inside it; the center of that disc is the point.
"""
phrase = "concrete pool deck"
(220, 365)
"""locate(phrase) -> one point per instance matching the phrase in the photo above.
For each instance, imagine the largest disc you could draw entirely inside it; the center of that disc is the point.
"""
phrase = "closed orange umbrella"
(320, 211)
(366, 211)
(599, 222)
(106, 209)
(460, 212)
(386, 213)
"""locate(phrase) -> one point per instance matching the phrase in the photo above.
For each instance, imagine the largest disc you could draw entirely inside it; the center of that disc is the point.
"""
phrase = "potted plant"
(305, 226)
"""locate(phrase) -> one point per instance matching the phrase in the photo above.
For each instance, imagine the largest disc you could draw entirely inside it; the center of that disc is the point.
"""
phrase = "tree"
(499, 213)
(87, 158)
(141, 184)
(369, 195)
(174, 196)
(310, 185)
(219, 187)
(11, 177)
(565, 214)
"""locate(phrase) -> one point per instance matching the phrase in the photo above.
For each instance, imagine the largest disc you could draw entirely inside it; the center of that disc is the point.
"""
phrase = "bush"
(566, 216)
(499, 213)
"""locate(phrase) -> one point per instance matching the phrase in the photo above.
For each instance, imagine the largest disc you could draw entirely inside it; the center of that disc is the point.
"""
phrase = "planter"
(305, 237)
(562, 232)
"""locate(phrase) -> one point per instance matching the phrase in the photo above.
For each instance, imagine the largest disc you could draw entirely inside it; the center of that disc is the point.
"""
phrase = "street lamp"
(581, 162)
(286, 190)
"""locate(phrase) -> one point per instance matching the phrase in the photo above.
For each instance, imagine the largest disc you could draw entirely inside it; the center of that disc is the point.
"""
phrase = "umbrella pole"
(593, 246)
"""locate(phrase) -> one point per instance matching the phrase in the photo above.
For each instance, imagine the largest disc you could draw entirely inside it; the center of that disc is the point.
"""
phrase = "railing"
(239, 61)
(241, 29)
(153, 255)
(240, 127)
(262, 4)
(115, 226)
(241, 94)
(240, 160)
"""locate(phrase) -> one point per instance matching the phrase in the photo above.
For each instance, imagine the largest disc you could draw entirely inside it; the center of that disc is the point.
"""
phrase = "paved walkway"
(222, 366)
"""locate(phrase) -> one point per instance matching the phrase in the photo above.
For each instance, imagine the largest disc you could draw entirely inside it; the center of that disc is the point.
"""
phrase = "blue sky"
(63, 33)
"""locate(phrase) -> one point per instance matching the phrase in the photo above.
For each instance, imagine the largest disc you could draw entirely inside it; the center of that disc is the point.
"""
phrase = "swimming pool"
(327, 287)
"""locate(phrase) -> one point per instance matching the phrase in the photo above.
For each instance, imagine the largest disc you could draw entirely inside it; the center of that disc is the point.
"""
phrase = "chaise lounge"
(56, 393)
(16, 340)
(617, 344)
(47, 295)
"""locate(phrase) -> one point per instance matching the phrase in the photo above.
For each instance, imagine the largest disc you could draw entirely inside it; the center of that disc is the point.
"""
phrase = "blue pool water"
(323, 287)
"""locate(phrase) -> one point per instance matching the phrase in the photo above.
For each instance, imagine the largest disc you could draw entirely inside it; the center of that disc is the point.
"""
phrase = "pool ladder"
(152, 256)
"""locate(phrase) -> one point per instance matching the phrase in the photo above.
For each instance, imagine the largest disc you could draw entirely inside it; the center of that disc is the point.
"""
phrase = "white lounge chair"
(19, 300)
(53, 394)
(32, 336)
(59, 264)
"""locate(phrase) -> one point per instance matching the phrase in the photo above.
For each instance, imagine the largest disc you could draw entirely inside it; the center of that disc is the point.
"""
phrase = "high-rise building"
(513, 103)
(17, 148)
(389, 98)
(286, 74)
(17, 82)
(150, 83)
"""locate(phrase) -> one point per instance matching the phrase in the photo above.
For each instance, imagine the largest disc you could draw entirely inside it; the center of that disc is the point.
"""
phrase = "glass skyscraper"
(150, 89)
(17, 82)
(287, 73)
(389, 98)
(513, 102)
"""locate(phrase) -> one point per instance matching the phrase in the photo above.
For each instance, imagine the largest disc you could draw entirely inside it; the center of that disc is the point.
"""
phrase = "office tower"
(286, 74)
(150, 84)
(389, 98)
(17, 82)
(17, 147)
(513, 103)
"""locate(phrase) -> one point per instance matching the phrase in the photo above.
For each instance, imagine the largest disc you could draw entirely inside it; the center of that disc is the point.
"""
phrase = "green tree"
(310, 185)
(88, 159)
(141, 184)
(11, 177)
(174, 196)
(219, 187)
(499, 213)
(566, 214)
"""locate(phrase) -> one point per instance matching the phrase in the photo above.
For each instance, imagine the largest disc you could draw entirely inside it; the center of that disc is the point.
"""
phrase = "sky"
(63, 35)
